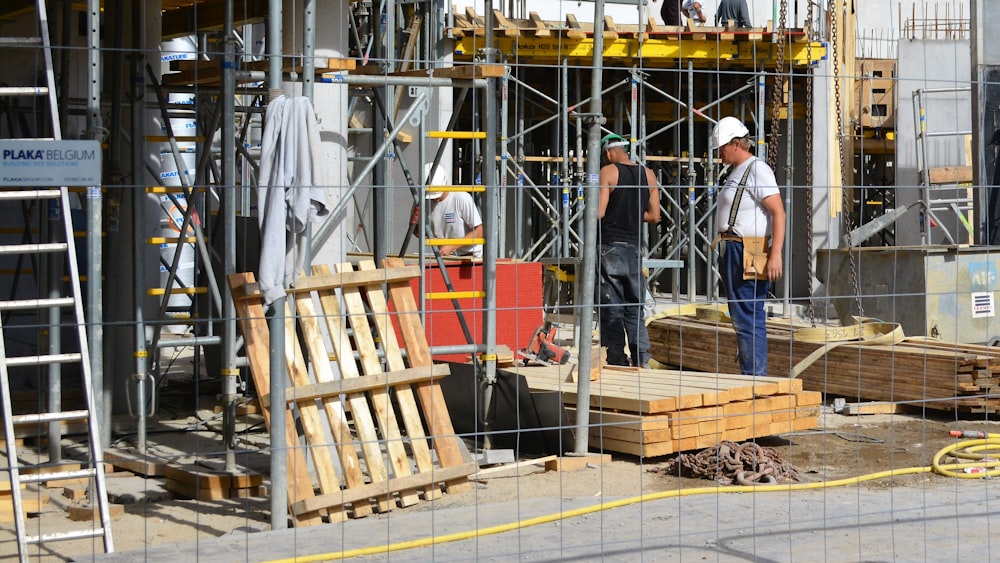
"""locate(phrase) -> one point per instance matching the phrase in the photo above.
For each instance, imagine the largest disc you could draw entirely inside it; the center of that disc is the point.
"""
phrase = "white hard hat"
(726, 130)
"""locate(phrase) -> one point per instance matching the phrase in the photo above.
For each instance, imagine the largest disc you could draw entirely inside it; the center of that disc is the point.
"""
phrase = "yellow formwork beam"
(651, 51)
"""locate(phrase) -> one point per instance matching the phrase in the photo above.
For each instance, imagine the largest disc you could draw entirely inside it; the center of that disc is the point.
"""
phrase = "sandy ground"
(844, 446)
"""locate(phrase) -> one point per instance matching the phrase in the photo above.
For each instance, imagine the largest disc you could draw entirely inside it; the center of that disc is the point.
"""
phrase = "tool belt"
(755, 251)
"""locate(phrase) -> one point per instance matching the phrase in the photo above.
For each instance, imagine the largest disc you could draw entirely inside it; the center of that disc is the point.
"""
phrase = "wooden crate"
(355, 313)
(652, 412)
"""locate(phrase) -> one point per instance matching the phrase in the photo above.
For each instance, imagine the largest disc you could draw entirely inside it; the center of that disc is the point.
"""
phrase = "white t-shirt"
(453, 217)
(752, 218)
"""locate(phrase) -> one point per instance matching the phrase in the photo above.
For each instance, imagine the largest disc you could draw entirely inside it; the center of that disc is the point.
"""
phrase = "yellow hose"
(968, 449)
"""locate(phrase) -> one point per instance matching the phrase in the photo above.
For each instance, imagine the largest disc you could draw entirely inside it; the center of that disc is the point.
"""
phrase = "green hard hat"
(611, 140)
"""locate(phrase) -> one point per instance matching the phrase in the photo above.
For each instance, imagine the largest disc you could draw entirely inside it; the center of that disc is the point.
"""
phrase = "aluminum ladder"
(70, 298)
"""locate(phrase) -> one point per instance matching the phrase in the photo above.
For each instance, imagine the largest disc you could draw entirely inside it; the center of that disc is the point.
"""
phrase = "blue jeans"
(621, 296)
(746, 307)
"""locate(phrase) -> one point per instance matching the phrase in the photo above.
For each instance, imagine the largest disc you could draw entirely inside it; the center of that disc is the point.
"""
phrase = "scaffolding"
(663, 87)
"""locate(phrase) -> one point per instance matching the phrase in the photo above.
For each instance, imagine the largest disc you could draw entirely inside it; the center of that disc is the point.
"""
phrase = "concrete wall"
(928, 65)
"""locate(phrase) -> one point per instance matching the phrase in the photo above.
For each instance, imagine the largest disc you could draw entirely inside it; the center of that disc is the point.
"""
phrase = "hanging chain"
(777, 90)
(835, 5)
(811, 311)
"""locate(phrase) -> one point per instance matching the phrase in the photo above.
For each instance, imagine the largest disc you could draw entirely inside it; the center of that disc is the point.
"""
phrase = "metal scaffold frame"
(544, 183)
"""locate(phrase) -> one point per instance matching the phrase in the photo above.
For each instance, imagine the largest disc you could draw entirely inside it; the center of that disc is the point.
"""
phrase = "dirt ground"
(843, 446)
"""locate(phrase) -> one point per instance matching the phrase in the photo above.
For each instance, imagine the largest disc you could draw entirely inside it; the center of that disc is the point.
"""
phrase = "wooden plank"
(418, 352)
(250, 316)
(385, 414)
(509, 29)
(404, 393)
(610, 31)
(338, 387)
(340, 430)
(352, 279)
(364, 425)
(574, 31)
(950, 175)
(539, 28)
(451, 474)
(485, 473)
(460, 72)
(879, 373)
(313, 427)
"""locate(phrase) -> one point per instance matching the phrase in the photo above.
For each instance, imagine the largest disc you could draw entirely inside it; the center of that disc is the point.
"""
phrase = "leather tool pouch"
(755, 251)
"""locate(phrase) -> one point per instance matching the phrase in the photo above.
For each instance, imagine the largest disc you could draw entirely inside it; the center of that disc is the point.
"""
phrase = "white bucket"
(179, 49)
(169, 175)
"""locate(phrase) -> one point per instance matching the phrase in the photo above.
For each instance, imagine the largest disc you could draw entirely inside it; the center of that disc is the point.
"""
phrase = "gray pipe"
(588, 270)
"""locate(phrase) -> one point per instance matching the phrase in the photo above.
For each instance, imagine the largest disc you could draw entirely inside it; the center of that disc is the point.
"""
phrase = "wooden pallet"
(935, 374)
(657, 412)
(355, 313)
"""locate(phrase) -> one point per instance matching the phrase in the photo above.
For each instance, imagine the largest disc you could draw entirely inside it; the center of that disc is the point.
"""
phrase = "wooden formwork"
(363, 461)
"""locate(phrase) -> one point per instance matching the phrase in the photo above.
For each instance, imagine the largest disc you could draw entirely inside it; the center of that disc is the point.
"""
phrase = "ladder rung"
(178, 291)
(169, 240)
(41, 417)
(66, 536)
(455, 241)
(57, 475)
(435, 295)
(23, 90)
(21, 361)
(33, 248)
(468, 189)
(7, 195)
(36, 303)
(456, 134)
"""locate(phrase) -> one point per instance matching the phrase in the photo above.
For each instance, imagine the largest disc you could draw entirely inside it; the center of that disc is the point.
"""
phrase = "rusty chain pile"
(730, 463)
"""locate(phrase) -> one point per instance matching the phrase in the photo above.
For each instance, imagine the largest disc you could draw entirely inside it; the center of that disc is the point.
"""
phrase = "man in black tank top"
(629, 197)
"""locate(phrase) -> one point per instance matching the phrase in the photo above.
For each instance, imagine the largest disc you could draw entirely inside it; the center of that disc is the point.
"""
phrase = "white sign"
(982, 305)
(30, 163)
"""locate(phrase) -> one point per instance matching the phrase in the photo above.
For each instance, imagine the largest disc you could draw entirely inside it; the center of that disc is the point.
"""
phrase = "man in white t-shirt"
(455, 215)
(755, 210)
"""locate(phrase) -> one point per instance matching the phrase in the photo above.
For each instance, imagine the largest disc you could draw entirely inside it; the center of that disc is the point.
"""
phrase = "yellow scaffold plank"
(456, 134)
(438, 295)
(178, 291)
(468, 189)
(455, 241)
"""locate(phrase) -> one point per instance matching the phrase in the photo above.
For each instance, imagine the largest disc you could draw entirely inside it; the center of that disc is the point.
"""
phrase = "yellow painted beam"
(455, 295)
(468, 189)
(456, 134)
(627, 49)
(455, 241)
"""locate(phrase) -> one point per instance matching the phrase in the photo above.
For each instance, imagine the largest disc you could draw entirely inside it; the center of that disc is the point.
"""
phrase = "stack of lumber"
(651, 412)
(31, 502)
(936, 374)
(206, 483)
(382, 455)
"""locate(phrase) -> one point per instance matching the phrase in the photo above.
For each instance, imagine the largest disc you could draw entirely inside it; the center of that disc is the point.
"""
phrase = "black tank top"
(622, 220)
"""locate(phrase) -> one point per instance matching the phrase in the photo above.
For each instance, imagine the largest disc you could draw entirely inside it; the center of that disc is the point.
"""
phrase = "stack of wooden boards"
(932, 373)
(362, 463)
(652, 412)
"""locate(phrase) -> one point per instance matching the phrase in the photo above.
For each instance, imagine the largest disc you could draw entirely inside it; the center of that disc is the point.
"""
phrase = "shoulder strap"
(739, 194)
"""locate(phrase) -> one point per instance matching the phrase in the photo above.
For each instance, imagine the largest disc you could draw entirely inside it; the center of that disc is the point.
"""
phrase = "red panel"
(519, 304)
